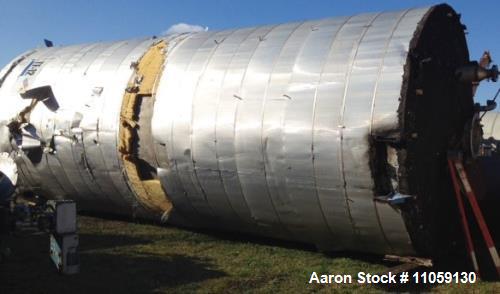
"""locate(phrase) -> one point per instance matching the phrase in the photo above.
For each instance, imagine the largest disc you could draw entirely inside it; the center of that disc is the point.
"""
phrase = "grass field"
(121, 257)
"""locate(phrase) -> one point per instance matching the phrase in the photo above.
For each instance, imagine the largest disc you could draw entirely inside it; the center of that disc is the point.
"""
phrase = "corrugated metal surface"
(264, 129)
(268, 126)
(85, 166)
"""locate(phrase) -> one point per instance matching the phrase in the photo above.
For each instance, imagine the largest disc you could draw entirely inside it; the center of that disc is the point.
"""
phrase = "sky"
(24, 24)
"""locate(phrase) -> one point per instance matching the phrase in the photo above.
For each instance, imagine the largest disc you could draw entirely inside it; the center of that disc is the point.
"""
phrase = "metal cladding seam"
(261, 126)
(264, 130)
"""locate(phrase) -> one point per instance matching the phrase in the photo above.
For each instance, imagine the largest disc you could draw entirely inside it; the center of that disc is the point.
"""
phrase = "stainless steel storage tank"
(332, 132)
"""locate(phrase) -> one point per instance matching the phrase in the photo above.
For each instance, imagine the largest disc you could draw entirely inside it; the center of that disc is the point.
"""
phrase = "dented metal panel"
(278, 130)
(264, 140)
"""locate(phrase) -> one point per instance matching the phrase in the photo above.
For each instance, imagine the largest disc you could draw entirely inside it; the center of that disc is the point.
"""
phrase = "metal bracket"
(394, 198)
(460, 180)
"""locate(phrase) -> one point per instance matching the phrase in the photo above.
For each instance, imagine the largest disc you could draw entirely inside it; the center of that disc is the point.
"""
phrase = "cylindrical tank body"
(332, 132)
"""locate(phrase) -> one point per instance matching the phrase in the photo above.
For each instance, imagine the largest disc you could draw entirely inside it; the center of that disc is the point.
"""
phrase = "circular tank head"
(433, 113)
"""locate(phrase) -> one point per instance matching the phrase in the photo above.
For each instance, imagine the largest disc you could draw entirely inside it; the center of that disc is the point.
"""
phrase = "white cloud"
(181, 27)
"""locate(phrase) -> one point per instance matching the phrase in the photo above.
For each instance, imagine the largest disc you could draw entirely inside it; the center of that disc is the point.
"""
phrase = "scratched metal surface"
(85, 165)
(261, 129)
(269, 127)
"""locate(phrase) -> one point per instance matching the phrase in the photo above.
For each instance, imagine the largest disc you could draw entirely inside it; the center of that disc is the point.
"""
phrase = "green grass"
(121, 257)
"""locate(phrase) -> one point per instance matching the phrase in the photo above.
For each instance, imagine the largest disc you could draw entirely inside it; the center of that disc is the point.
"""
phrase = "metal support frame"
(461, 181)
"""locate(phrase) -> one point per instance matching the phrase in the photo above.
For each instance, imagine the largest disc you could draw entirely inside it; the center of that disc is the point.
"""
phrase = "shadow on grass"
(90, 242)
(29, 269)
(145, 273)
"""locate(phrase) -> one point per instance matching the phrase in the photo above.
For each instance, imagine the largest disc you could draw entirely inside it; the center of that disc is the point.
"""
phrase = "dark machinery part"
(64, 237)
(55, 217)
(461, 186)
(58, 219)
(481, 160)
(474, 72)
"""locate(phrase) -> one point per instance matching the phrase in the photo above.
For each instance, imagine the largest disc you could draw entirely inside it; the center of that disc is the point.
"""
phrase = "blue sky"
(24, 24)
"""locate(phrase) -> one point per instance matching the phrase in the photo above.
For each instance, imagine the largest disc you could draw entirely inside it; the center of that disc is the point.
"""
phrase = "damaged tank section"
(332, 132)
(486, 175)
